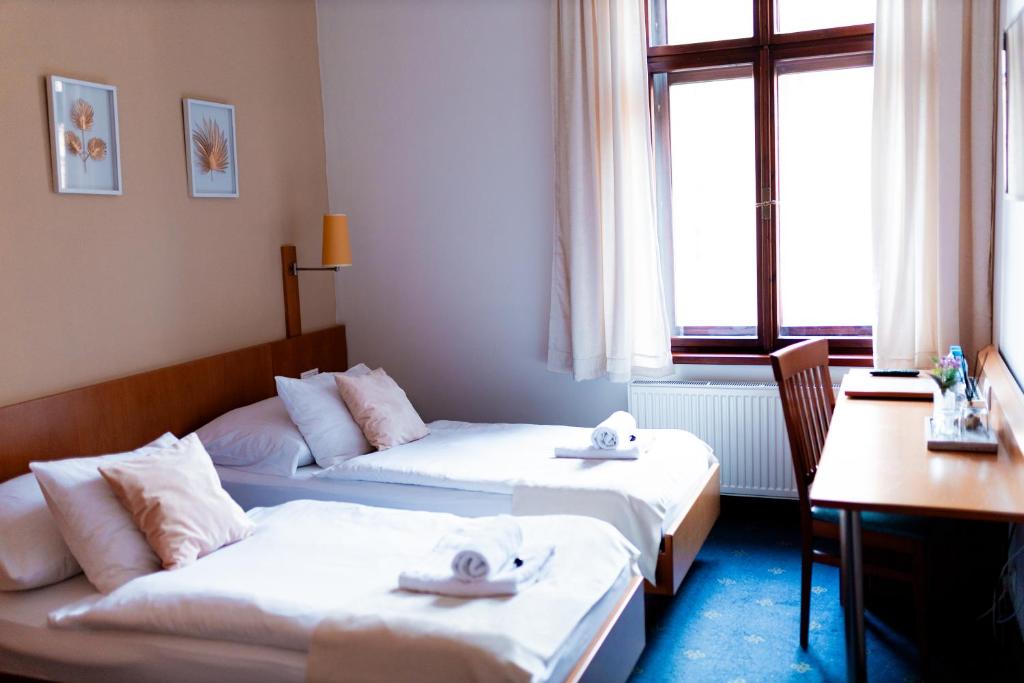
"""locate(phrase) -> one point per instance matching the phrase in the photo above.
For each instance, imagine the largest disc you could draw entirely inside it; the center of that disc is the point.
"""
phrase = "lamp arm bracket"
(295, 268)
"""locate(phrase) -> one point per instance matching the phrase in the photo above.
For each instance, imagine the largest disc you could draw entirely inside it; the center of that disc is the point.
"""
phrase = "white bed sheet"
(499, 458)
(417, 492)
(29, 647)
(254, 489)
(308, 560)
(641, 498)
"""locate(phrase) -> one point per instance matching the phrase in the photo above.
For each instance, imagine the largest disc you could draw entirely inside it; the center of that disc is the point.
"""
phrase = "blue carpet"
(736, 617)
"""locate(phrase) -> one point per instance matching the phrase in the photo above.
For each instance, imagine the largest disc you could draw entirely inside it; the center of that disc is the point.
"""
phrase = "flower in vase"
(945, 372)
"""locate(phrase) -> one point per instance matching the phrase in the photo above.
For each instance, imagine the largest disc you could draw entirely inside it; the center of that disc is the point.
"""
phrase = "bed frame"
(120, 414)
(680, 545)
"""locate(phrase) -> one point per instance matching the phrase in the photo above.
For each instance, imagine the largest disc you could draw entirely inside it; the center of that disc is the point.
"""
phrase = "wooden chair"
(808, 401)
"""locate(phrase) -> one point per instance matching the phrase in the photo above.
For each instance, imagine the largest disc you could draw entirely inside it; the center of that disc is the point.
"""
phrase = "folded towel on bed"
(511, 579)
(617, 430)
(588, 452)
(481, 547)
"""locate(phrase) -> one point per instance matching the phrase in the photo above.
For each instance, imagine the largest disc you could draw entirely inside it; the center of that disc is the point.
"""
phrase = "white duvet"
(634, 496)
(309, 561)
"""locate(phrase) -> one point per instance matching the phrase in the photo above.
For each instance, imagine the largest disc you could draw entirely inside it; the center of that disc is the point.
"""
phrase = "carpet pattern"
(736, 617)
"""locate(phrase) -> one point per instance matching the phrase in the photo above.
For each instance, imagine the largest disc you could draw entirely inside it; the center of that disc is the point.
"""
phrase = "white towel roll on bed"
(482, 547)
(616, 431)
(508, 581)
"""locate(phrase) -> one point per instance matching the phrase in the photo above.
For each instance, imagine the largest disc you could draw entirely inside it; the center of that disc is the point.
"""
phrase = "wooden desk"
(875, 458)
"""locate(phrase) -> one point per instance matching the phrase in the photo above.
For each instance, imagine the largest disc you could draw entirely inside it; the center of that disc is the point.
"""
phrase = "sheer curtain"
(608, 313)
(932, 177)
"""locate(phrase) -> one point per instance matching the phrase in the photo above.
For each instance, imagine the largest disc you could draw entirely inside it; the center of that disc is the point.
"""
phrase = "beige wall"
(98, 287)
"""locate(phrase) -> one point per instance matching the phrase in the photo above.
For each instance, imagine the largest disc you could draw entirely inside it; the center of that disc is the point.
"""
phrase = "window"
(762, 126)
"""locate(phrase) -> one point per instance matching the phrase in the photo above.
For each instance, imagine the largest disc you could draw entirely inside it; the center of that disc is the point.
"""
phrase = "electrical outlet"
(310, 373)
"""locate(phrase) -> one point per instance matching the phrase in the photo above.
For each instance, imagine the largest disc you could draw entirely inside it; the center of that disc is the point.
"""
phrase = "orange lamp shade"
(337, 251)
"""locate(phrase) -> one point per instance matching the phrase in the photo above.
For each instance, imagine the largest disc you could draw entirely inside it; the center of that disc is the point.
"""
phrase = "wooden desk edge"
(921, 511)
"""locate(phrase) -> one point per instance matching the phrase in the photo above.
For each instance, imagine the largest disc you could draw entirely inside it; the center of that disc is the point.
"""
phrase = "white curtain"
(932, 177)
(608, 313)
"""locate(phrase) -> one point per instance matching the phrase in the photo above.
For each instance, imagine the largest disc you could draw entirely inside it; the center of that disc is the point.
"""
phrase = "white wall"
(438, 135)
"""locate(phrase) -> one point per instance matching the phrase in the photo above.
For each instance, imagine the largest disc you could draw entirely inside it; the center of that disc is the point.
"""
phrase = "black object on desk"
(895, 373)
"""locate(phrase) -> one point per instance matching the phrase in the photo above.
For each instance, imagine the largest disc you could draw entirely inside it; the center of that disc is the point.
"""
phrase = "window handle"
(766, 208)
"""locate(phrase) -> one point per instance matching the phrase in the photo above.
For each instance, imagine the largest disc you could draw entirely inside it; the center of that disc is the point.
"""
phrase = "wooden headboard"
(125, 413)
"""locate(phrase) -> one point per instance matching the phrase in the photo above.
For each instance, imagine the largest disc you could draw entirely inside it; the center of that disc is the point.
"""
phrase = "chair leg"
(842, 582)
(805, 595)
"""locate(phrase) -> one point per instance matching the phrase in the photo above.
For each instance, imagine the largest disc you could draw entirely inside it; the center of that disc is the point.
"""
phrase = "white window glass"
(698, 21)
(807, 15)
(824, 210)
(713, 214)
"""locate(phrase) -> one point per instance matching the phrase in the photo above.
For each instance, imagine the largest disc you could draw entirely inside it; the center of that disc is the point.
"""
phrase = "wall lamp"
(336, 253)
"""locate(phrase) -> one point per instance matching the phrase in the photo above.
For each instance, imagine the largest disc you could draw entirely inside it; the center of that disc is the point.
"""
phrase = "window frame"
(768, 53)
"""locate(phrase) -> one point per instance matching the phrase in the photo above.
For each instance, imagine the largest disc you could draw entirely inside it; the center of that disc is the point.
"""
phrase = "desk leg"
(853, 594)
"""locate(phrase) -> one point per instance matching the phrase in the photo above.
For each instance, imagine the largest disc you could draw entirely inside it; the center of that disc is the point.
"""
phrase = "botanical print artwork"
(83, 132)
(210, 146)
(82, 116)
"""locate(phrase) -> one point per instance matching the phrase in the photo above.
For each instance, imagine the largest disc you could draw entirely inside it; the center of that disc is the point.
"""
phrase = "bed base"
(609, 658)
(679, 546)
(616, 648)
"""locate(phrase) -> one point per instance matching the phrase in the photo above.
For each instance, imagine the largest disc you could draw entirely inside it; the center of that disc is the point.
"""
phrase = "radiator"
(742, 422)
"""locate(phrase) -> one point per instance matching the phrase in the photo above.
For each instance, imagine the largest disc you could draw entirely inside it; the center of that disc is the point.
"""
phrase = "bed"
(184, 397)
(603, 644)
(478, 469)
(257, 609)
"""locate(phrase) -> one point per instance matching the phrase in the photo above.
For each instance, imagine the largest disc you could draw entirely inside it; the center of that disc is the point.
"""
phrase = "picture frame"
(210, 151)
(84, 136)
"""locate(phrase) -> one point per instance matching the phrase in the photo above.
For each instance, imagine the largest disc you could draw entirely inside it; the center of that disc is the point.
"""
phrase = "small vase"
(945, 414)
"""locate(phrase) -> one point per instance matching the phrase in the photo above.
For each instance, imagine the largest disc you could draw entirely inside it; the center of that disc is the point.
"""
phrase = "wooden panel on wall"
(292, 312)
(325, 350)
(126, 413)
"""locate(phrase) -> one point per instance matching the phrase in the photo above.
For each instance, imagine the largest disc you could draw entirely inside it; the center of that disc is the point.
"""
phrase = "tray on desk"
(968, 441)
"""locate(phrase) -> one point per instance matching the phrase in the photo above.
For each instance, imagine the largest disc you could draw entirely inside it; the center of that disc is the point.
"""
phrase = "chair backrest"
(805, 386)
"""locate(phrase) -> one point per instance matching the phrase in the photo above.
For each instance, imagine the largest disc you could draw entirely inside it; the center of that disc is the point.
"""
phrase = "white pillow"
(257, 438)
(32, 551)
(99, 531)
(316, 408)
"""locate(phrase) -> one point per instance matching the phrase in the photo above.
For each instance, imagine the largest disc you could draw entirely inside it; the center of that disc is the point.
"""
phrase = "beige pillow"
(175, 497)
(381, 409)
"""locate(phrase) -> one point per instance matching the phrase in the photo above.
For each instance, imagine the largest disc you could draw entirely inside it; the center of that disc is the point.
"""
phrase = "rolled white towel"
(617, 430)
(482, 547)
(513, 578)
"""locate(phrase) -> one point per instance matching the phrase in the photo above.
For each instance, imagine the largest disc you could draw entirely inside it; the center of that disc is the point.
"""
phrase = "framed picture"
(211, 153)
(84, 135)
